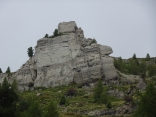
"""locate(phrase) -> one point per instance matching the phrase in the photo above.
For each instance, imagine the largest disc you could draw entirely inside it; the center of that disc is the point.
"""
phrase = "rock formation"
(66, 58)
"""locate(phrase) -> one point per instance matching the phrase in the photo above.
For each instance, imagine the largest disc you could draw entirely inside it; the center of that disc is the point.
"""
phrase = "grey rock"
(141, 85)
(38, 94)
(64, 59)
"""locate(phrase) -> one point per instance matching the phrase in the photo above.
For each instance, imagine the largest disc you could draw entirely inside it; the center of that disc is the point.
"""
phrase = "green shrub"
(93, 41)
(109, 105)
(52, 110)
(100, 95)
(31, 84)
(63, 100)
(71, 92)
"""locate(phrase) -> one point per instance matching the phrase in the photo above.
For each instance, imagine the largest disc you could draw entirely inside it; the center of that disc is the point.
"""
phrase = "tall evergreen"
(55, 33)
(147, 103)
(8, 71)
(134, 56)
(8, 98)
(100, 93)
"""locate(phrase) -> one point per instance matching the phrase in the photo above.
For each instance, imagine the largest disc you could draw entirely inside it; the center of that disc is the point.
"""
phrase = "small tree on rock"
(55, 33)
(1, 71)
(46, 36)
(30, 52)
(8, 70)
(147, 57)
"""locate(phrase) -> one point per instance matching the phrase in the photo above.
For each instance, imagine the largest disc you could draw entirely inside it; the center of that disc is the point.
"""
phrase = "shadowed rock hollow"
(63, 59)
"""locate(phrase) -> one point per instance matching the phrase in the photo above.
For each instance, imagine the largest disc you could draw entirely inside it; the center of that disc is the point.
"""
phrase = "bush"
(34, 110)
(93, 41)
(109, 105)
(128, 99)
(52, 110)
(63, 100)
(31, 84)
(71, 92)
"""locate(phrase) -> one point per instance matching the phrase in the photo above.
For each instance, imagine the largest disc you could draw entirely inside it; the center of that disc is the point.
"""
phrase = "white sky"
(128, 26)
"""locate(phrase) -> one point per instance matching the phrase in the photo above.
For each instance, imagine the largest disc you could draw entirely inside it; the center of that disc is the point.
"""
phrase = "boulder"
(64, 59)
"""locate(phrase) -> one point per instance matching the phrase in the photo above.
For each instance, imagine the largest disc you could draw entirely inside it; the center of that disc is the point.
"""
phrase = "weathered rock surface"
(63, 59)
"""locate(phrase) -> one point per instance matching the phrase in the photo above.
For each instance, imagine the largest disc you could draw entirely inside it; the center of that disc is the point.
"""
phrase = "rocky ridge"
(64, 59)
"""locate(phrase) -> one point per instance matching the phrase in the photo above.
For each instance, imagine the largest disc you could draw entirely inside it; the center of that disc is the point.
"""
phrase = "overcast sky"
(128, 26)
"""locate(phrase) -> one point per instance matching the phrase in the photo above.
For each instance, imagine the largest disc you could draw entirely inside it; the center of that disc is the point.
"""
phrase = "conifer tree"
(46, 36)
(55, 33)
(100, 93)
(147, 57)
(134, 56)
(30, 52)
(8, 70)
(147, 103)
(8, 98)
(1, 71)
(52, 110)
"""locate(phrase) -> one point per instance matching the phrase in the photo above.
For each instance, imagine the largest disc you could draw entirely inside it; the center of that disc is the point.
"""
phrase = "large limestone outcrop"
(66, 58)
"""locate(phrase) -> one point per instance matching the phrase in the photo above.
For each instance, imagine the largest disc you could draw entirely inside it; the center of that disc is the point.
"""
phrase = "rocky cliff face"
(63, 59)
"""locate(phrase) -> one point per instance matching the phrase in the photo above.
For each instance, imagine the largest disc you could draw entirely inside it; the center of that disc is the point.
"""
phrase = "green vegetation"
(147, 103)
(52, 110)
(1, 71)
(134, 56)
(55, 34)
(135, 66)
(8, 71)
(63, 100)
(93, 41)
(46, 36)
(8, 98)
(30, 52)
(147, 57)
(100, 94)
(31, 84)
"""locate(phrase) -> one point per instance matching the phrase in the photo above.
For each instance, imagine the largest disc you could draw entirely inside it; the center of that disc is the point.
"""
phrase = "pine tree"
(63, 100)
(14, 86)
(100, 93)
(52, 110)
(30, 52)
(147, 103)
(134, 56)
(55, 33)
(46, 36)
(147, 57)
(1, 71)
(34, 110)
(8, 98)
(8, 71)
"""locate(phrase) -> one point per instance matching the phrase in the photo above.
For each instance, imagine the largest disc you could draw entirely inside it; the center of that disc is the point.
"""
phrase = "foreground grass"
(76, 106)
